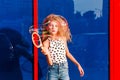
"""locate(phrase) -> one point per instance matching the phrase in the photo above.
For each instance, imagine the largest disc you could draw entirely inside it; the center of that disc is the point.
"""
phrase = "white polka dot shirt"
(57, 51)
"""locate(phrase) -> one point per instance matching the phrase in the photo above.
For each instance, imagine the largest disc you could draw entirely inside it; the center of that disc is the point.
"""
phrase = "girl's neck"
(54, 37)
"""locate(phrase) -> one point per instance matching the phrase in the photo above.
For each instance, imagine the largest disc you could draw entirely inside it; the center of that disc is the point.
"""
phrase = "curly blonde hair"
(63, 28)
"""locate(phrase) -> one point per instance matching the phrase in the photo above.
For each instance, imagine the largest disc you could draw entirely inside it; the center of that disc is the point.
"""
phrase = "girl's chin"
(53, 33)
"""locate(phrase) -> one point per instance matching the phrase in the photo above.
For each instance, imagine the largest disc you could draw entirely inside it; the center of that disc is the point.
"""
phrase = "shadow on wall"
(12, 47)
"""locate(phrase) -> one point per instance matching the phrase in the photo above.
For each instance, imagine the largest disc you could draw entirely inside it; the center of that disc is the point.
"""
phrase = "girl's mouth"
(53, 30)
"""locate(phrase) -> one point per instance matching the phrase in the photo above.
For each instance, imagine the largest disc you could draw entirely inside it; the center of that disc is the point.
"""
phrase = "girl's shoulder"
(63, 38)
(46, 42)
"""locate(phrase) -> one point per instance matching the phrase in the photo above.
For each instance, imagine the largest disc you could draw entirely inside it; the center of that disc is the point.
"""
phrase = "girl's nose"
(53, 27)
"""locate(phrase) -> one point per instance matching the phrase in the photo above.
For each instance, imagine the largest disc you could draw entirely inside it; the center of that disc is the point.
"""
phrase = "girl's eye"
(50, 25)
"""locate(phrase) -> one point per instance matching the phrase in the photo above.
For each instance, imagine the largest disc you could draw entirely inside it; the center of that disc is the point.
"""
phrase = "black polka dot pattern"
(57, 51)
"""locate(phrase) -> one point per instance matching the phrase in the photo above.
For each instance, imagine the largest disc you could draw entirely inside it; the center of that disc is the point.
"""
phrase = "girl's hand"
(43, 50)
(81, 71)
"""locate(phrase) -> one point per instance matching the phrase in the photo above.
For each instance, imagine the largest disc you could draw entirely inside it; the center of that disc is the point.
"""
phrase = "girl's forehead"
(54, 22)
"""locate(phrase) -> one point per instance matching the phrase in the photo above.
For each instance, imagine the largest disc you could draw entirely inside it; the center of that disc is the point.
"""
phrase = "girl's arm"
(69, 55)
(45, 51)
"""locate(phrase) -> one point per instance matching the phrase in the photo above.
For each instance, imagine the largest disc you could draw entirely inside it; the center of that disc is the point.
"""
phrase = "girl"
(55, 47)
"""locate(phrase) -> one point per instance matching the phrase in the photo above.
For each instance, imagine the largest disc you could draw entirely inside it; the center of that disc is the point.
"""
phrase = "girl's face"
(53, 27)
